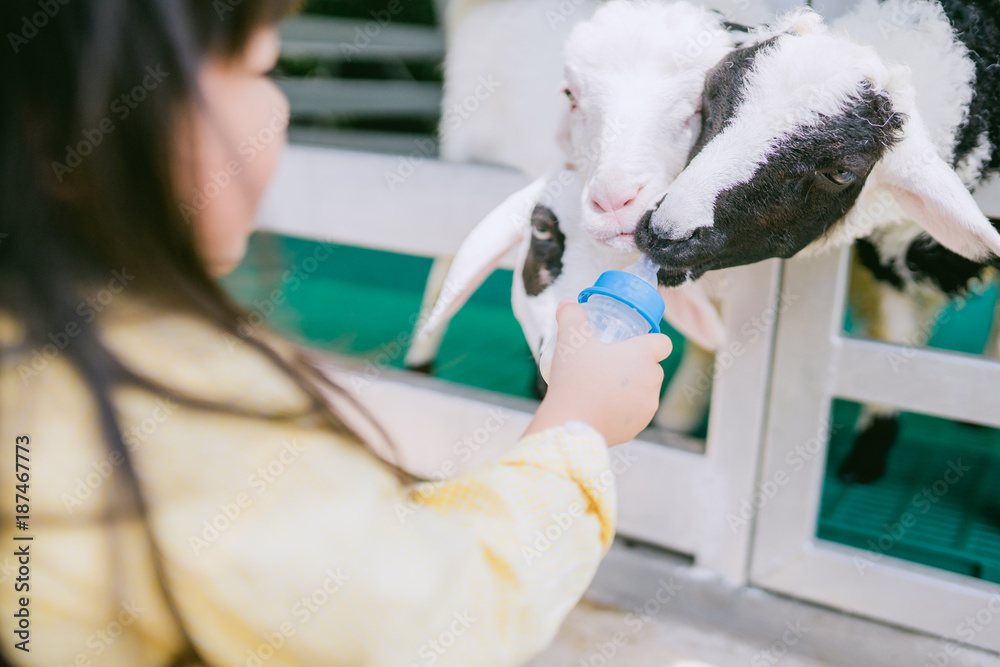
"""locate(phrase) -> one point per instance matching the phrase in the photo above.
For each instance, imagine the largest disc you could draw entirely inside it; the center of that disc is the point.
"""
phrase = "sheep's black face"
(724, 88)
(543, 263)
(762, 181)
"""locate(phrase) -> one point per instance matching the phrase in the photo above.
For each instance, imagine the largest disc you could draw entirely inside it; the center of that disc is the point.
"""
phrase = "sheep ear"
(933, 196)
(688, 309)
(481, 251)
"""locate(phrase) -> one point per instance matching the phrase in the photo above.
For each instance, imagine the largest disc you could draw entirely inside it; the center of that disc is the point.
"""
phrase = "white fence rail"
(409, 204)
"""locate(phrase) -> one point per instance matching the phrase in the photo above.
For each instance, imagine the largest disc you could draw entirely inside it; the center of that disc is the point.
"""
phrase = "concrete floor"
(587, 639)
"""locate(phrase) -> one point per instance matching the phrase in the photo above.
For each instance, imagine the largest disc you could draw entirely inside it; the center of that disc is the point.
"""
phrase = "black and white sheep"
(875, 131)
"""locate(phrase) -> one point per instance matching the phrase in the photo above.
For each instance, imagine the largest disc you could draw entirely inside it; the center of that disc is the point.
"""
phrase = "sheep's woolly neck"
(977, 25)
(918, 35)
(952, 48)
(814, 137)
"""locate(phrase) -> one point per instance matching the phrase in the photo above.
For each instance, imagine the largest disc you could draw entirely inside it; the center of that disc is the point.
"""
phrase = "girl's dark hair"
(78, 201)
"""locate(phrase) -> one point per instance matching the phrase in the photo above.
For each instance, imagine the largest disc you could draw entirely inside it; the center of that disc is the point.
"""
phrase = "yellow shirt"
(282, 542)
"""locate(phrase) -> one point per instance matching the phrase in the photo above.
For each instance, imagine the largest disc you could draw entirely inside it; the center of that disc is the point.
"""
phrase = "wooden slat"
(326, 98)
(362, 140)
(345, 39)
(945, 384)
(413, 205)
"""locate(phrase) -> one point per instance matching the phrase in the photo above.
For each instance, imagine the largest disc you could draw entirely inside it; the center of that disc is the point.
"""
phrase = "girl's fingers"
(570, 316)
(661, 345)
(658, 346)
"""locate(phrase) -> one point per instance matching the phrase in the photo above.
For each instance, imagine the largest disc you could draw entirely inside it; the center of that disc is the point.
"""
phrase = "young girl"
(194, 502)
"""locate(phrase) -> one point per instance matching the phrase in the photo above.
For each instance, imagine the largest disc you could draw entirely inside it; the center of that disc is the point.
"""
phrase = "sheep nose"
(612, 199)
(663, 239)
(674, 246)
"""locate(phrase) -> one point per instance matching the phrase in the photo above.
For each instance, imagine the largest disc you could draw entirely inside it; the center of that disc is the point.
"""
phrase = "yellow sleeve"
(284, 544)
(313, 553)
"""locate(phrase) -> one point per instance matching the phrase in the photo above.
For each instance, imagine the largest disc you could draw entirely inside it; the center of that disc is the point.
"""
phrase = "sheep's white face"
(634, 79)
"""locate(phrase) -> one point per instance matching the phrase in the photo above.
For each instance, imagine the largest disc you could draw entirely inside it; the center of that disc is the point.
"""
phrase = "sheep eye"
(569, 94)
(840, 177)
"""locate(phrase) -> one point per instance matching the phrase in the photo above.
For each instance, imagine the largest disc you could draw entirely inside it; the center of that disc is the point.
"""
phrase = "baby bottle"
(623, 304)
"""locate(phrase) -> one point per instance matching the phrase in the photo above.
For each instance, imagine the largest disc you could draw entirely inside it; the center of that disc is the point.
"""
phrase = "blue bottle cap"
(632, 291)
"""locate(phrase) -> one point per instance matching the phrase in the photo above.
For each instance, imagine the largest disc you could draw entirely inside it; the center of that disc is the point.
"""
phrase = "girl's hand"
(614, 388)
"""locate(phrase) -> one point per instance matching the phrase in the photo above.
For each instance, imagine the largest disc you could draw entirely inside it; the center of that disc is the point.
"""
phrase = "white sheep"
(633, 83)
(516, 44)
(875, 132)
(519, 44)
